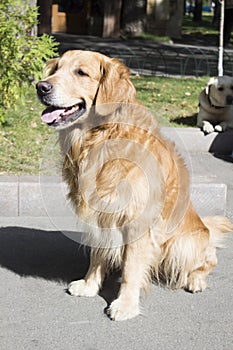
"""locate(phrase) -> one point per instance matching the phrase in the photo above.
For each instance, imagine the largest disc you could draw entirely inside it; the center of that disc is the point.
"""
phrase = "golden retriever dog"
(216, 105)
(127, 183)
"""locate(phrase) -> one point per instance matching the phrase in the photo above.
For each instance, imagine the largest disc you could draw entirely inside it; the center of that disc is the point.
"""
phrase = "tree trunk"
(112, 18)
(133, 17)
(174, 25)
(45, 16)
(197, 15)
(157, 16)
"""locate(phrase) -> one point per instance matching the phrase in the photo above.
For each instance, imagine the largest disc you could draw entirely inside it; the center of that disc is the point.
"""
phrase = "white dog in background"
(216, 105)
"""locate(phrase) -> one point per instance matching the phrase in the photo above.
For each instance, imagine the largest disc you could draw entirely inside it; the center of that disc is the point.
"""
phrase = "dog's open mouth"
(60, 116)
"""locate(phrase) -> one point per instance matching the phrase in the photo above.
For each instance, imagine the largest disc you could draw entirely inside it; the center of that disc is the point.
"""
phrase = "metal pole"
(220, 55)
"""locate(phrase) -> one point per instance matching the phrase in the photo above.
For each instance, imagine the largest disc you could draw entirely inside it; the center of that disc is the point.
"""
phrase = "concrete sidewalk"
(38, 259)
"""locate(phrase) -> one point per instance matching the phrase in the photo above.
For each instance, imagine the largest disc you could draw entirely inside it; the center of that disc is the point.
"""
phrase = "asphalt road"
(36, 312)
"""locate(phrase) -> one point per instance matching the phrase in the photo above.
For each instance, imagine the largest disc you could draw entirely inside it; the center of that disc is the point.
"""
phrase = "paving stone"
(209, 199)
(43, 199)
(9, 196)
(49, 199)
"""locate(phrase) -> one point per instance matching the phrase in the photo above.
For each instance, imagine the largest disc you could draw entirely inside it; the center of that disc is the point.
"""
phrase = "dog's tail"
(218, 225)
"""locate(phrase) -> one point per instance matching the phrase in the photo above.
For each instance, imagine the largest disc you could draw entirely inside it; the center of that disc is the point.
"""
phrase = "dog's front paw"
(82, 288)
(218, 128)
(221, 127)
(207, 127)
(120, 310)
(196, 283)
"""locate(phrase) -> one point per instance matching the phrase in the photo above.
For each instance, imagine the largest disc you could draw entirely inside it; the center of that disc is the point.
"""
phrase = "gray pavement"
(38, 259)
(36, 312)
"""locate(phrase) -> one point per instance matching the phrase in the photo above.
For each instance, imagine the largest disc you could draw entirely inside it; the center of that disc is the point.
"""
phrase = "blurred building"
(112, 18)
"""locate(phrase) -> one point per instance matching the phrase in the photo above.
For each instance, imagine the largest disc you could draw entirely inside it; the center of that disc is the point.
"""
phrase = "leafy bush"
(22, 55)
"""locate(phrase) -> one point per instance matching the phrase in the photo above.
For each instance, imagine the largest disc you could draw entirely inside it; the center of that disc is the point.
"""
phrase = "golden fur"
(128, 184)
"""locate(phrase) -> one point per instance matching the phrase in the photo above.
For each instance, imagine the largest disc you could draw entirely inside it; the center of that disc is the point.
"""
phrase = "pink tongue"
(50, 114)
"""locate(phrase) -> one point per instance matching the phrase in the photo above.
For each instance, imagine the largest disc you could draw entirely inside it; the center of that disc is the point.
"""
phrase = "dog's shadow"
(190, 120)
(49, 255)
(222, 146)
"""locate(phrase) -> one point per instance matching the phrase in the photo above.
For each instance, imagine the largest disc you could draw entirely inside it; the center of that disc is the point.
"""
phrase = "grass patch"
(174, 101)
(153, 37)
(203, 33)
(205, 27)
(23, 137)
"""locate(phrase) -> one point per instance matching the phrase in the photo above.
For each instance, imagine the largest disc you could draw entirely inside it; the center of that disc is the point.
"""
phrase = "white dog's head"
(220, 91)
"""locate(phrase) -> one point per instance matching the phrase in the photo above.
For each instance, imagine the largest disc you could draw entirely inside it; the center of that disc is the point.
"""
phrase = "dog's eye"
(232, 87)
(81, 73)
(220, 88)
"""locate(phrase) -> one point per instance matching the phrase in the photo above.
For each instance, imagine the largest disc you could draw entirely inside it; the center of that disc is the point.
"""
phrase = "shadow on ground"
(37, 253)
(222, 146)
(190, 120)
(49, 255)
(198, 38)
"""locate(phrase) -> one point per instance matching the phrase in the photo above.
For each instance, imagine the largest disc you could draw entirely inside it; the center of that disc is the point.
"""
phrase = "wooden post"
(112, 17)
(45, 16)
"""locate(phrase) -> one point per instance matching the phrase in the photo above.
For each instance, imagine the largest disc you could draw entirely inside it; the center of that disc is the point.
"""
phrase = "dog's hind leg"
(217, 227)
(189, 255)
(90, 285)
(138, 261)
(187, 260)
(196, 281)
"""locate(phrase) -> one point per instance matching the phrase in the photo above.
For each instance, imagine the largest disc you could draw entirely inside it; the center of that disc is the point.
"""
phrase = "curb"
(28, 197)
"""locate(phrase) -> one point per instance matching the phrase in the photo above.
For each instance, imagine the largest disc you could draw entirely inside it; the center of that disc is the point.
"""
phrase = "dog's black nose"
(44, 87)
(229, 100)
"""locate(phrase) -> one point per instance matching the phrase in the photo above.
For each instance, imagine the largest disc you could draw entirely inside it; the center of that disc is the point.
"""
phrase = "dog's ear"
(209, 84)
(115, 85)
(50, 67)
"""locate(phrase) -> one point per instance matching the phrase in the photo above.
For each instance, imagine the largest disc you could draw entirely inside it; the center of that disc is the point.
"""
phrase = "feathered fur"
(129, 185)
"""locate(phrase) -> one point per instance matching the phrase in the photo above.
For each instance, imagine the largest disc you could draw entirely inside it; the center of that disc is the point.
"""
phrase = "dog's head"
(220, 91)
(79, 80)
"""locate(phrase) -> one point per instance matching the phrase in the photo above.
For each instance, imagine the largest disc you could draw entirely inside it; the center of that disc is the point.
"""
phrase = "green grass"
(23, 137)
(174, 101)
(203, 33)
(148, 36)
(205, 27)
